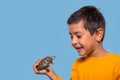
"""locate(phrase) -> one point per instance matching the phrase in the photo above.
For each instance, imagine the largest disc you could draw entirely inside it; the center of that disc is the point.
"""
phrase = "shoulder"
(116, 69)
(115, 56)
(112, 57)
(75, 64)
(79, 60)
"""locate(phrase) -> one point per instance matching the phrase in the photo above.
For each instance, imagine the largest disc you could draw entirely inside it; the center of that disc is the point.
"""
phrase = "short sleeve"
(59, 78)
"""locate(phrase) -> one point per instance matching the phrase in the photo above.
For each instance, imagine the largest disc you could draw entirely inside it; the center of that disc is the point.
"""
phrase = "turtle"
(45, 63)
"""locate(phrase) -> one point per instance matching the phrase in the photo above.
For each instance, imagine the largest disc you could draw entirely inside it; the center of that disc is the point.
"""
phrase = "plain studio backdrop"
(33, 29)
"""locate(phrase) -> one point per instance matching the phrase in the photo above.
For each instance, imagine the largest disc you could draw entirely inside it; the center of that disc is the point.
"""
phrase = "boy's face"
(81, 39)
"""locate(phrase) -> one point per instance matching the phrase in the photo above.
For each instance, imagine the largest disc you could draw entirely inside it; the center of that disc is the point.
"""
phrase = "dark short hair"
(92, 18)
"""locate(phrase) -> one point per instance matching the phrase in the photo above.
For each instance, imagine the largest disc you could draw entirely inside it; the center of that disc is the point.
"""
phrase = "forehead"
(77, 27)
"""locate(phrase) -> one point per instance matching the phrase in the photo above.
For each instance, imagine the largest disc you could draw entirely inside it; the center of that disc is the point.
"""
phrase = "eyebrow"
(74, 33)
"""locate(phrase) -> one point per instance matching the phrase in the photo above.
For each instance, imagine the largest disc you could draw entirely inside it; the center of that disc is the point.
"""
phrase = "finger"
(35, 64)
(34, 68)
(41, 72)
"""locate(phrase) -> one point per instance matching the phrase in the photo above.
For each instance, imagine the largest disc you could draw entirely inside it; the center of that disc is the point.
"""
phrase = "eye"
(71, 36)
(79, 36)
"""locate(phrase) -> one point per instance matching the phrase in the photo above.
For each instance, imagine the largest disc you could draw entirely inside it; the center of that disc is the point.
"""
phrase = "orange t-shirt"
(96, 68)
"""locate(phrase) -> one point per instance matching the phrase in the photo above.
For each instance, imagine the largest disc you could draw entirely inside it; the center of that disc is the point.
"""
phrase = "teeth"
(79, 47)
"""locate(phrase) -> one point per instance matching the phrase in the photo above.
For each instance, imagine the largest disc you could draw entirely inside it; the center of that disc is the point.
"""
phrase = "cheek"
(84, 39)
(86, 42)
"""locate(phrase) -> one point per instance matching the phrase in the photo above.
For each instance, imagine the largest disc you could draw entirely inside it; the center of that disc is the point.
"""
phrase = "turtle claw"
(47, 70)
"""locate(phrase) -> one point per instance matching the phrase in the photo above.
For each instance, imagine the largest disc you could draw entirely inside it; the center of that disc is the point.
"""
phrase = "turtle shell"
(45, 63)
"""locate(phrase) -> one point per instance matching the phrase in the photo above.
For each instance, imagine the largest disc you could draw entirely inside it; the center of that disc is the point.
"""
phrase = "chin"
(81, 54)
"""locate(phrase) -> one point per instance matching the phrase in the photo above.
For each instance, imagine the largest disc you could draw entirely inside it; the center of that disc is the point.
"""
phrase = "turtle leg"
(51, 62)
(47, 70)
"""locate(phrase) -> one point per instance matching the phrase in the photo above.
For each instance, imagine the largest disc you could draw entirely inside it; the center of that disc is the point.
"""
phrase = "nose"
(74, 41)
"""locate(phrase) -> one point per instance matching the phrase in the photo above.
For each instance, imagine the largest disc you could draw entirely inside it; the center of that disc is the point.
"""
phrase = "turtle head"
(52, 57)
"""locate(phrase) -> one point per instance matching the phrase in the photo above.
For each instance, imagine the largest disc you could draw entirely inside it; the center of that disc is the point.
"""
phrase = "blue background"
(33, 29)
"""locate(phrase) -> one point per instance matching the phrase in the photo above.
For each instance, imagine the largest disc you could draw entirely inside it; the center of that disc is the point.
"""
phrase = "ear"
(99, 34)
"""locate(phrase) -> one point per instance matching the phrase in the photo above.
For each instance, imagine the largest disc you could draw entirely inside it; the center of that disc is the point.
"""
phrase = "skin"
(51, 74)
(85, 44)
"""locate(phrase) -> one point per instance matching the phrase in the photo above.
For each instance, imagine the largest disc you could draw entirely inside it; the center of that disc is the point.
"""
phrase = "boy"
(87, 27)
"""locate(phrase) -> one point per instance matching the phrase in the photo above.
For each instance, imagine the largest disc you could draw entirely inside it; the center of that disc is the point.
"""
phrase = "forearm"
(53, 76)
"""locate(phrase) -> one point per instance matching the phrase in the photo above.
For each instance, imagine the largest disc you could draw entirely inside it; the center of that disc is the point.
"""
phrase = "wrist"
(52, 75)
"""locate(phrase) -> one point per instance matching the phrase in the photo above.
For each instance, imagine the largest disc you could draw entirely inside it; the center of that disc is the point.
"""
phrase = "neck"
(98, 52)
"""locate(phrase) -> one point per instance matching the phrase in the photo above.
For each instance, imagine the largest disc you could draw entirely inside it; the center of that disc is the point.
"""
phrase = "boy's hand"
(38, 71)
(51, 74)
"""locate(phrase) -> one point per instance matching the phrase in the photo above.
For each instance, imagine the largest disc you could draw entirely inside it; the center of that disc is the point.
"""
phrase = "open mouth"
(79, 48)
